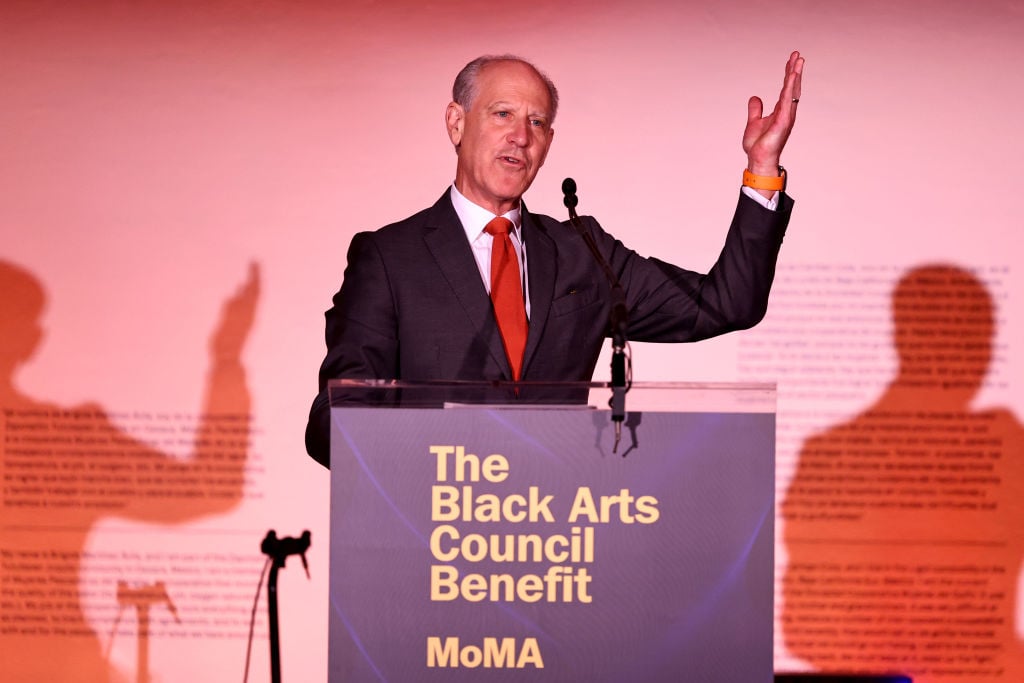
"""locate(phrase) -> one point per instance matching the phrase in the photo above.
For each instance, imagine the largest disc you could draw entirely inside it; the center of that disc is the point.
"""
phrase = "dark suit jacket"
(412, 305)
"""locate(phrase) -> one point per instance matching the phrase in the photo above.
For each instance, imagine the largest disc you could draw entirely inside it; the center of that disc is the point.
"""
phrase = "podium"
(506, 542)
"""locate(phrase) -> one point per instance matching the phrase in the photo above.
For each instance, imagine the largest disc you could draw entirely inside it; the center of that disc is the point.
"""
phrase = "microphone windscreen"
(569, 190)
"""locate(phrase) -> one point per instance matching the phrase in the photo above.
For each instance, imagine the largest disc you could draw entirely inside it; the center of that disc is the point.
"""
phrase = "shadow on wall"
(903, 525)
(65, 469)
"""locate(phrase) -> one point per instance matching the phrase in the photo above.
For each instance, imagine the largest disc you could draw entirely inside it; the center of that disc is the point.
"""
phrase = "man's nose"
(518, 135)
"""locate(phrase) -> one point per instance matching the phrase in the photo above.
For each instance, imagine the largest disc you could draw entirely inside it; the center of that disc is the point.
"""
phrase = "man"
(420, 301)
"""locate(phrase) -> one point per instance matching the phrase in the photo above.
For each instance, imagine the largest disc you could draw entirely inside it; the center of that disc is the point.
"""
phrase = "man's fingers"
(771, 131)
(794, 71)
(798, 69)
(754, 109)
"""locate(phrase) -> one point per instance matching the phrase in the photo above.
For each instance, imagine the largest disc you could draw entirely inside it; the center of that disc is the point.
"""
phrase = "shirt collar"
(475, 218)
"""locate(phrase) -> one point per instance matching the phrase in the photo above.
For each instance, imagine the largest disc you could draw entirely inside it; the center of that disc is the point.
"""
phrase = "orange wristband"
(765, 182)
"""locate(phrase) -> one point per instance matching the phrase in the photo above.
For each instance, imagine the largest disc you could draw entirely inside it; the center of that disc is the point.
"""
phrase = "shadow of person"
(64, 469)
(903, 525)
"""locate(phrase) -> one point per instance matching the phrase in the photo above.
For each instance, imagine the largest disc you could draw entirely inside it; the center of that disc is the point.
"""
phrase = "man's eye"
(539, 123)
(502, 114)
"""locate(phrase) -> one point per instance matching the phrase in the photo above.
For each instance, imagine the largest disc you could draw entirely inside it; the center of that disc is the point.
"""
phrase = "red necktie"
(507, 293)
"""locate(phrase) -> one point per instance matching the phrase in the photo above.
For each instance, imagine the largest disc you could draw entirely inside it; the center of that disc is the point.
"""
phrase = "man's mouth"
(516, 161)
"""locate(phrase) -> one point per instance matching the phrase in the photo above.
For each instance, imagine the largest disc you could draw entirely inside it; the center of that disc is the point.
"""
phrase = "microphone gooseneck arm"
(618, 318)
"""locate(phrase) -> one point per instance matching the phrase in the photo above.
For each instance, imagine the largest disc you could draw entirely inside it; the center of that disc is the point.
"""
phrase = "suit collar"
(540, 266)
(446, 241)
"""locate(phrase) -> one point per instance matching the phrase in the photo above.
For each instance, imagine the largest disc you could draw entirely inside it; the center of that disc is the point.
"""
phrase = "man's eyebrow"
(497, 104)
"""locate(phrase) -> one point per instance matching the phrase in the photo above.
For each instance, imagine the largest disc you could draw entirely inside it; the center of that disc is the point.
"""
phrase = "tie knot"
(498, 226)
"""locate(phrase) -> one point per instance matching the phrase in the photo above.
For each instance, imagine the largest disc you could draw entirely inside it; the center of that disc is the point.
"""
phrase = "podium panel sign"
(489, 544)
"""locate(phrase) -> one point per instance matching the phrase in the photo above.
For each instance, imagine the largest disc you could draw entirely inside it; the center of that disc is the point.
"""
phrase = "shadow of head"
(943, 326)
(21, 307)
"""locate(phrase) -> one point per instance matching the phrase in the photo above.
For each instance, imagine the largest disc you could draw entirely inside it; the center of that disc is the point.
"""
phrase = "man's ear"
(454, 119)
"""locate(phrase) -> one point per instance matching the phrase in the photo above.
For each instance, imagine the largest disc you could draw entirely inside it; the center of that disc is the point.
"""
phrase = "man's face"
(503, 139)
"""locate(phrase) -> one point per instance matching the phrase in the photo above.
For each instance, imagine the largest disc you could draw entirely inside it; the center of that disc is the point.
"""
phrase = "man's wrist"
(766, 167)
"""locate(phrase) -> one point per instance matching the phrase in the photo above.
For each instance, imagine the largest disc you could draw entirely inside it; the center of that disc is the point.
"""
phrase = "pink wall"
(152, 151)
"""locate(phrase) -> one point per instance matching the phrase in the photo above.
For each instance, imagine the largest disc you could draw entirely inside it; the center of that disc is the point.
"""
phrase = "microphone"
(619, 317)
(569, 190)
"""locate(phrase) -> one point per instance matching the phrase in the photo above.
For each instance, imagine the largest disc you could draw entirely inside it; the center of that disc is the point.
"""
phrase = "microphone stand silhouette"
(142, 598)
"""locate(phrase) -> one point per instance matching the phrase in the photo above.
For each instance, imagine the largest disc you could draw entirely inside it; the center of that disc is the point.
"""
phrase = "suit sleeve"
(361, 335)
(670, 304)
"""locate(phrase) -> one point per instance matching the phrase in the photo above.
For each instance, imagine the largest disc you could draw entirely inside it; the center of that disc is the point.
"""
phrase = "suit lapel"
(446, 241)
(540, 266)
